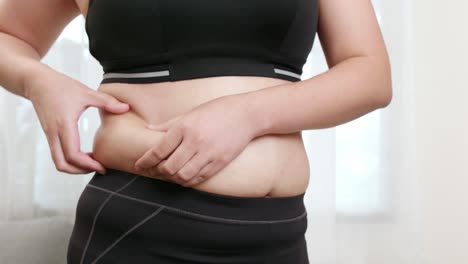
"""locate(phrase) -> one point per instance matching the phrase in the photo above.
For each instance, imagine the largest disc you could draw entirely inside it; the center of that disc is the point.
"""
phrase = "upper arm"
(37, 22)
(349, 28)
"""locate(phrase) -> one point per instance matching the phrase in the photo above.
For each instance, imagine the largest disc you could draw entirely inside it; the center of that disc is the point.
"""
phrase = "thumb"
(108, 103)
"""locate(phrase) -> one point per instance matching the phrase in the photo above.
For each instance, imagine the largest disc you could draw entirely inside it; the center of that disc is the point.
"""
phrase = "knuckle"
(206, 170)
(60, 122)
(193, 144)
(197, 180)
(210, 150)
(161, 169)
(102, 98)
(60, 166)
(199, 139)
(184, 175)
(200, 178)
(156, 153)
(191, 169)
(166, 169)
(89, 95)
(171, 171)
(202, 174)
(69, 157)
(97, 94)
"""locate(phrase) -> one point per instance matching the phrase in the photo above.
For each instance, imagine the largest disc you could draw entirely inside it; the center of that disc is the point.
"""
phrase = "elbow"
(384, 95)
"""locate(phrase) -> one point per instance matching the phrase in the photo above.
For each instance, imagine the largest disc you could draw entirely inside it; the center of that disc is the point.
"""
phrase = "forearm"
(348, 90)
(19, 61)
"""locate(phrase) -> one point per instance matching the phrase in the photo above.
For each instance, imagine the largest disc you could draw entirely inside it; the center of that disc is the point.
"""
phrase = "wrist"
(256, 112)
(33, 71)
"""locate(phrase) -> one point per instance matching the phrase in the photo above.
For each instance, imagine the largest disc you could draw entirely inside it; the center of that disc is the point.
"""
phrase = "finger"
(166, 146)
(59, 160)
(108, 102)
(91, 155)
(200, 176)
(215, 167)
(70, 141)
(207, 171)
(193, 168)
(177, 160)
(165, 125)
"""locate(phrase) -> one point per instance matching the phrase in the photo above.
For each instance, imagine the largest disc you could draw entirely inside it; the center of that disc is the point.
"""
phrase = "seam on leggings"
(97, 214)
(196, 215)
(128, 232)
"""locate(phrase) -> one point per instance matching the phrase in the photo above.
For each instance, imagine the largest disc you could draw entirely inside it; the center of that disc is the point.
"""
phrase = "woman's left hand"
(201, 142)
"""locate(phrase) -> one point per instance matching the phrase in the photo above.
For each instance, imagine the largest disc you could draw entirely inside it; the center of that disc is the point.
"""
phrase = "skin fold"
(254, 172)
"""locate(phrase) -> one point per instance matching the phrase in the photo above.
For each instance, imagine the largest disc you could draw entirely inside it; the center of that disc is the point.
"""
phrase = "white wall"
(427, 141)
(441, 111)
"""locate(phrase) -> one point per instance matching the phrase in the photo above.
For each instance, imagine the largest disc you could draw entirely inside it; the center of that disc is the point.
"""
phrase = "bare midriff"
(270, 165)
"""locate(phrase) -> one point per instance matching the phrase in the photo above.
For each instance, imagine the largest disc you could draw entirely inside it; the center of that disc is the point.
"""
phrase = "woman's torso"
(270, 165)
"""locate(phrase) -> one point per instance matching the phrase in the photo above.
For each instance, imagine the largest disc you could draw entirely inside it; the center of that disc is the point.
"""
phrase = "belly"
(270, 165)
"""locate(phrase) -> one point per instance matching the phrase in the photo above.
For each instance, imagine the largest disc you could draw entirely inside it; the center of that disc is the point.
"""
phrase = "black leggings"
(127, 218)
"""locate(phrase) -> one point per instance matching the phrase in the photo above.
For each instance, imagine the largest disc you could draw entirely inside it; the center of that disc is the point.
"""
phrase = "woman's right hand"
(59, 101)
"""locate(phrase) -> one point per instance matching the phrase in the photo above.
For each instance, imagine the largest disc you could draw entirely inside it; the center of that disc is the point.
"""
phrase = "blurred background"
(388, 188)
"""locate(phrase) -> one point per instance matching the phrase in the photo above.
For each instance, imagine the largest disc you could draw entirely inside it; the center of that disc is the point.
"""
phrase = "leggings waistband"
(202, 204)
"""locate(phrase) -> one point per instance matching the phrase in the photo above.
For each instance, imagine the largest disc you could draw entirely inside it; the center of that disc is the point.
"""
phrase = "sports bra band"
(146, 41)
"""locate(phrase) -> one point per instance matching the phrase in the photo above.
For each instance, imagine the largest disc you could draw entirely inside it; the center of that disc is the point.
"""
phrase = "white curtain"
(386, 188)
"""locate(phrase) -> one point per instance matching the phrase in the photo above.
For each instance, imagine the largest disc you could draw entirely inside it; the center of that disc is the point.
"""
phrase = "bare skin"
(273, 164)
(270, 165)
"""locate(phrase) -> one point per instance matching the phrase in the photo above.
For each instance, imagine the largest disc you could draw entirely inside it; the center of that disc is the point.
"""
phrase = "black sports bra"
(146, 41)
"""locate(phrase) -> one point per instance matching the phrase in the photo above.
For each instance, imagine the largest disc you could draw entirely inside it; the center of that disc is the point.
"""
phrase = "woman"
(199, 157)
